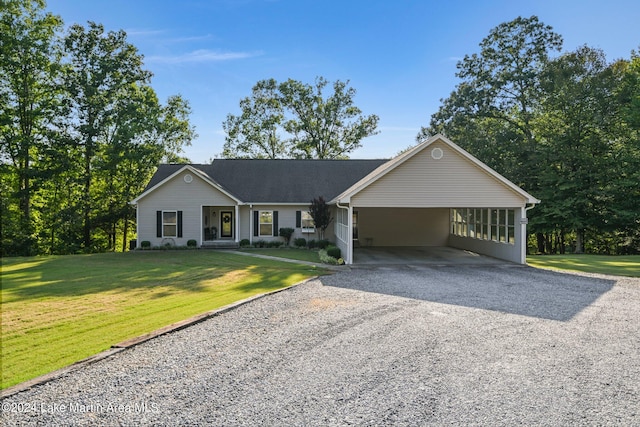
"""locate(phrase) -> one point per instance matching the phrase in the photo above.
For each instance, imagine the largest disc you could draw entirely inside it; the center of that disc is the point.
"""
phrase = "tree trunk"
(540, 242)
(125, 230)
(579, 242)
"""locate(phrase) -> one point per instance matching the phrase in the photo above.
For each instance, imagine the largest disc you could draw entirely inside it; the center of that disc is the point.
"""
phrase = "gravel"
(402, 345)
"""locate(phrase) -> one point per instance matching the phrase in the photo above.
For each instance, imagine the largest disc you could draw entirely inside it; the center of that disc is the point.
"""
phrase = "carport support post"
(350, 235)
(523, 233)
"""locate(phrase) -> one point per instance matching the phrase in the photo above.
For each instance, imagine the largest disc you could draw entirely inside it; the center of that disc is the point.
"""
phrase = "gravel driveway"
(399, 345)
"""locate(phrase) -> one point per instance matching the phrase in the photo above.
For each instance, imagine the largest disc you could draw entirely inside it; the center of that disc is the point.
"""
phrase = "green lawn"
(57, 310)
(628, 265)
(288, 253)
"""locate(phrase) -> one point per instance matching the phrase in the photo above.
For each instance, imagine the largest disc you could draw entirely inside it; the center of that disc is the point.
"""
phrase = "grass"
(288, 253)
(627, 265)
(57, 310)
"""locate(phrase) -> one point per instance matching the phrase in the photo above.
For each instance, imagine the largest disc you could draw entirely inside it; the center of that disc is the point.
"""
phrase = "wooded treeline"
(81, 133)
(566, 128)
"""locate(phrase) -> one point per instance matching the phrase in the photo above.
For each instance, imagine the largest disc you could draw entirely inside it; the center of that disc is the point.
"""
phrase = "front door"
(226, 224)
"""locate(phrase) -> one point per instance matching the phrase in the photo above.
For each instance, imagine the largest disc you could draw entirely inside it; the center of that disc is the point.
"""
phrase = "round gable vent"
(188, 178)
(437, 153)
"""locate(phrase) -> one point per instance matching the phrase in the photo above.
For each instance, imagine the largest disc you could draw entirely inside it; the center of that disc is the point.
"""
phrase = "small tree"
(286, 233)
(319, 211)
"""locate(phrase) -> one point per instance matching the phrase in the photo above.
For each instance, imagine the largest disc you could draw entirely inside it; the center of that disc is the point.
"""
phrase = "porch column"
(350, 235)
(237, 223)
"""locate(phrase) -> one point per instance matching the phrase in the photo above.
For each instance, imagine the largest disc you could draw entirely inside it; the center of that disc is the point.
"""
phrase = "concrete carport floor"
(424, 255)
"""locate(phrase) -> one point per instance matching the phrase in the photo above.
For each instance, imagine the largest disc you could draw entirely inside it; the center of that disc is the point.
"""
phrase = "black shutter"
(179, 223)
(158, 223)
(256, 223)
(275, 223)
(298, 219)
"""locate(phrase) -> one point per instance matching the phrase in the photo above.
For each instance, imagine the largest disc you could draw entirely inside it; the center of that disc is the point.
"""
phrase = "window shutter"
(256, 223)
(275, 223)
(158, 223)
(179, 223)
(298, 219)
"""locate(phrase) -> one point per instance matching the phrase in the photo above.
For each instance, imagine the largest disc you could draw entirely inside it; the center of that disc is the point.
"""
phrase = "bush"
(286, 232)
(324, 244)
(324, 257)
(145, 244)
(192, 243)
(334, 252)
(311, 244)
(300, 242)
(259, 244)
(244, 243)
(274, 244)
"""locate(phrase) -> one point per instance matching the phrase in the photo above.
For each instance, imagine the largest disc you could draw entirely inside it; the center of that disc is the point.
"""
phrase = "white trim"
(260, 223)
(385, 168)
(195, 171)
(176, 223)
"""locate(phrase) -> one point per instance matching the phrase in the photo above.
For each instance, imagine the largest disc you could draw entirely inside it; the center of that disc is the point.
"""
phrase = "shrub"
(145, 244)
(300, 242)
(245, 243)
(324, 257)
(324, 244)
(259, 244)
(311, 244)
(274, 244)
(286, 232)
(334, 252)
(192, 243)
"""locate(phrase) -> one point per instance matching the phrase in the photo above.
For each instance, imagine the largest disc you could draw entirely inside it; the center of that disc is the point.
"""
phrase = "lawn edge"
(132, 342)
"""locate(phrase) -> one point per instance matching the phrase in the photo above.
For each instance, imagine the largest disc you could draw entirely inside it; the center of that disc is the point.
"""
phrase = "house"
(435, 194)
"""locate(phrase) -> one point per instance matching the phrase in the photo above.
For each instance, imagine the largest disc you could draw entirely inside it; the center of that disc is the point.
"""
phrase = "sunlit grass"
(628, 265)
(58, 310)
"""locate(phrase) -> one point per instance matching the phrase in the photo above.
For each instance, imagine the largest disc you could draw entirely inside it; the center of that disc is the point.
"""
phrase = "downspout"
(349, 242)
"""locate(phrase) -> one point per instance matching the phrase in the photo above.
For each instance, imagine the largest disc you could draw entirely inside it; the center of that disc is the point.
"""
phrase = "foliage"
(328, 259)
(321, 214)
(294, 119)
(323, 243)
(108, 298)
(145, 244)
(244, 243)
(300, 242)
(81, 133)
(192, 243)
(565, 129)
(334, 251)
(286, 232)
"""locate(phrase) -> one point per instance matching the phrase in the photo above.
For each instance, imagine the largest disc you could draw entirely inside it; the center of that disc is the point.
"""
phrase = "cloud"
(133, 32)
(201, 55)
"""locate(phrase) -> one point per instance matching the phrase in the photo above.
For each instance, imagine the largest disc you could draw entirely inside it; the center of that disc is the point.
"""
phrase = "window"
(266, 223)
(169, 224)
(485, 224)
(308, 226)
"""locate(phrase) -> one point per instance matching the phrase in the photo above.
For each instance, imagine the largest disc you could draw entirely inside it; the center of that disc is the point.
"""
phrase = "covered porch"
(219, 224)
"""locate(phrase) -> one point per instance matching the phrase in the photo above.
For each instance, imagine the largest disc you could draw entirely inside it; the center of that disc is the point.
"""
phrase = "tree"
(27, 104)
(293, 119)
(255, 134)
(319, 211)
(498, 96)
(100, 67)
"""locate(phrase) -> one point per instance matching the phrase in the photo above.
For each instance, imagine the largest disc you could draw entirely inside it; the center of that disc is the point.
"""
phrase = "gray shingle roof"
(279, 181)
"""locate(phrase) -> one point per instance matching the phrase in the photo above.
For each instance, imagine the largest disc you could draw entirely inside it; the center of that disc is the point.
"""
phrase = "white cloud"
(201, 55)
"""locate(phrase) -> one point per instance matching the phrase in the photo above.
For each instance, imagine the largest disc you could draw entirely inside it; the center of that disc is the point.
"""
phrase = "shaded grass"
(288, 253)
(57, 310)
(627, 265)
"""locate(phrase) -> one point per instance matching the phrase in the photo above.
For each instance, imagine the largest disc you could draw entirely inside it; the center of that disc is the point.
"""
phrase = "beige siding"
(286, 218)
(423, 181)
(403, 227)
(178, 195)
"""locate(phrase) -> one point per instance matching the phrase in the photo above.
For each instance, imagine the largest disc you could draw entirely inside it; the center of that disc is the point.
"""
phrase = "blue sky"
(399, 55)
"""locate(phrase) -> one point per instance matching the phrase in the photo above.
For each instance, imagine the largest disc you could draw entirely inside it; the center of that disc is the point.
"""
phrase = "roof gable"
(409, 156)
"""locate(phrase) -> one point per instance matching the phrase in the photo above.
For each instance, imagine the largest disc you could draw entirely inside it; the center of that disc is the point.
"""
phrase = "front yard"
(57, 310)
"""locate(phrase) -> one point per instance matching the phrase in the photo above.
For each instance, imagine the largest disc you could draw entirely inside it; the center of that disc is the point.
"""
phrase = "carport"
(420, 255)
(434, 195)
